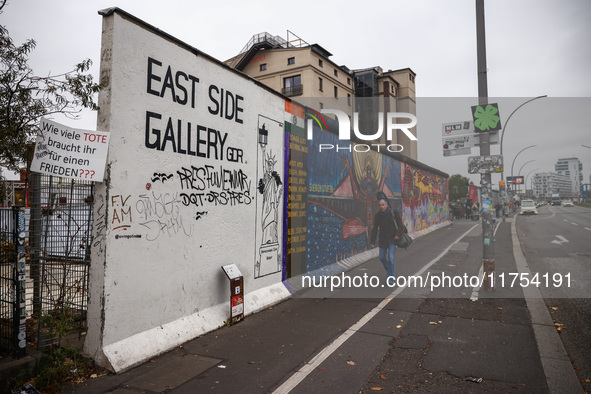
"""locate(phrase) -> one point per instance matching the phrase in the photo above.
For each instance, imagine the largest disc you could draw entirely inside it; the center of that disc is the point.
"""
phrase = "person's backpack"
(406, 239)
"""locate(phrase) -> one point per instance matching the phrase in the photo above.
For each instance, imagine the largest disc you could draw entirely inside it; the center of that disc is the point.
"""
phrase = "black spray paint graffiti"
(214, 186)
(100, 225)
(161, 177)
(160, 214)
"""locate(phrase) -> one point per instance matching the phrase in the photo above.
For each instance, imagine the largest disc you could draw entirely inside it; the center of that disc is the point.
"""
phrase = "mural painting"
(424, 198)
(342, 198)
(296, 166)
(268, 258)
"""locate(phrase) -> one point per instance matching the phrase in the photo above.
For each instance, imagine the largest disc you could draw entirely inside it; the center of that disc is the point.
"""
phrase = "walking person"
(388, 233)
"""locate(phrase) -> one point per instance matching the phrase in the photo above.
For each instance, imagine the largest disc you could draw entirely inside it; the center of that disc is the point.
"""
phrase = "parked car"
(567, 203)
(528, 207)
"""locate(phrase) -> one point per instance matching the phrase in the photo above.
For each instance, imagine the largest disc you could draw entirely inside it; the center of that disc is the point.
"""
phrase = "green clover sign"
(486, 119)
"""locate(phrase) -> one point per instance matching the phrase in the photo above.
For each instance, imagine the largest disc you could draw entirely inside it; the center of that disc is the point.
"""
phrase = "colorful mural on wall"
(340, 201)
(425, 198)
(342, 187)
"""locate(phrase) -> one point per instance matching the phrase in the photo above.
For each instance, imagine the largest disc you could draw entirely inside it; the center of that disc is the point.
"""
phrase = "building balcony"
(296, 90)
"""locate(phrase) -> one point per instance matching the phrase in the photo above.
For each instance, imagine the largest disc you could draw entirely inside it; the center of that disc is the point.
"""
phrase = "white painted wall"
(160, 234)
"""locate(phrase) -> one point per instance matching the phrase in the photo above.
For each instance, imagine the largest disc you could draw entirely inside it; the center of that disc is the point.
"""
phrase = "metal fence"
(58, 240)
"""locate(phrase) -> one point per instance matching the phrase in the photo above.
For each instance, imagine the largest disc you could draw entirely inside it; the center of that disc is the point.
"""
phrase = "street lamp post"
(503, 134)
(525, 181)
(519, 172)
(518, 153)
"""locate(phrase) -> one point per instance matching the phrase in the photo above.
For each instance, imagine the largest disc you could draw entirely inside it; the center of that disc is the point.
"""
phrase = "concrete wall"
(188, 189)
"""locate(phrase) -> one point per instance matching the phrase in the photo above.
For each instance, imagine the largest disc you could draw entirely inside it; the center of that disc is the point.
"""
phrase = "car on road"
(567, 203)
(528, 207)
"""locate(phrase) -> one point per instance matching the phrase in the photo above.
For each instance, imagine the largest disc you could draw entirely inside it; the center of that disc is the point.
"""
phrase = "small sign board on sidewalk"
(236, 292)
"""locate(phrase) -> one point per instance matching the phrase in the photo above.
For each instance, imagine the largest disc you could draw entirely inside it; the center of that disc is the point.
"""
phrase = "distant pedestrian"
(498, 209)
(388, 233)
(475, 211)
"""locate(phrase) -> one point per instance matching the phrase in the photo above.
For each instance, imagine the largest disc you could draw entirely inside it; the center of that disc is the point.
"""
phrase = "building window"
(290, 60)
(348, 81)
(321, 105)
(320, 62)
(320, 84)
(263, 67)
(336, 92)
(336, 74)
(292, 86)
(349, 99)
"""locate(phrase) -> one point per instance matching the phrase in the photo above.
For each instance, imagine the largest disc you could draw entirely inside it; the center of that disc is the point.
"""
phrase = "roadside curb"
(560, 375)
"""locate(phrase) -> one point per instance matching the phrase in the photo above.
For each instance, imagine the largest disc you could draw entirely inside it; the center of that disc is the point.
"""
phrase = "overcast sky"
(534, 47)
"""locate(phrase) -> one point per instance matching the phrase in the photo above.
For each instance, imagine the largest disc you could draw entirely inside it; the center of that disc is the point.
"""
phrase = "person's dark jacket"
(385, 223)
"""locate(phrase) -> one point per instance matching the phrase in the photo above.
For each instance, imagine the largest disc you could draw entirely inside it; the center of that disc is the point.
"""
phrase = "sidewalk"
(385, 339)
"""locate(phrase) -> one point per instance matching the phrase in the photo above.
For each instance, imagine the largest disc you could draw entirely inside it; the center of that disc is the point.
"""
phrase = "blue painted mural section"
(342, 189)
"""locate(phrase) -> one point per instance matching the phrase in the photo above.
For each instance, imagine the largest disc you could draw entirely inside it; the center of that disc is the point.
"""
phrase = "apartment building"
(305, 73)
(573, 168)
(545, 184)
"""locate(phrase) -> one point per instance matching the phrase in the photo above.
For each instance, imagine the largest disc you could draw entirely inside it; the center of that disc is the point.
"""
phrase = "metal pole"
(519, 172)
(503, 134)
(526, 163)
(531, 182)
(488, 260)
(513, 163)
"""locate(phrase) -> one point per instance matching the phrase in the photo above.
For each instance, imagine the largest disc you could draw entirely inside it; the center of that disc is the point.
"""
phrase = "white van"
(528, 207)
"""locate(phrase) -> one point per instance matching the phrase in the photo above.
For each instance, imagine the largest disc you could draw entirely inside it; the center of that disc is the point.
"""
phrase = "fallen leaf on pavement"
(377, 388)
(434, 323)
(351, 362)
(399, 326)
(383, 377)
(577, 368)
(554, 308)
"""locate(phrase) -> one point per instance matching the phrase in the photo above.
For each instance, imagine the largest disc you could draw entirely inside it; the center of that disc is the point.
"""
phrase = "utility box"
(236, 292)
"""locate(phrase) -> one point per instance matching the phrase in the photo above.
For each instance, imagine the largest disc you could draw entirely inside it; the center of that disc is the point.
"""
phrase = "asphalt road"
(557, 241)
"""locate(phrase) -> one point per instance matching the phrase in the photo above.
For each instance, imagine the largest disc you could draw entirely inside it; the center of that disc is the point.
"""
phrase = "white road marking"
(560, 240)
(551, 216)
(311, 365)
